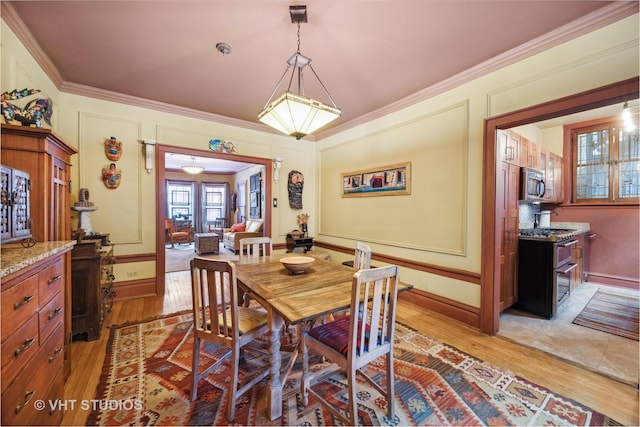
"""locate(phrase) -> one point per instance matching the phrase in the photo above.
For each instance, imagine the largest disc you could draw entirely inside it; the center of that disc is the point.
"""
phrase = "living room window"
(180, 202)
(214, 198)
(607, 164)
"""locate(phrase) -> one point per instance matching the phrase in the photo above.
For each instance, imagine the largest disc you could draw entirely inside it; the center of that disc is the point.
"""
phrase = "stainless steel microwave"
(532, 185)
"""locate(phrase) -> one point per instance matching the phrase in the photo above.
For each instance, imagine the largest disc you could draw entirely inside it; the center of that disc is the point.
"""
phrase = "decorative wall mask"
(112, 148)
(111, 176)
(33, 113)
(222, 146)
(295, 185)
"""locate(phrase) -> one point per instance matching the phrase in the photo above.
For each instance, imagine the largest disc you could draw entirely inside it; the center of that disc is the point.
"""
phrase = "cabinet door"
(508, 147)
(558, 185)
(5, 211)
(508, 185)
(529, 154)
(16, 213)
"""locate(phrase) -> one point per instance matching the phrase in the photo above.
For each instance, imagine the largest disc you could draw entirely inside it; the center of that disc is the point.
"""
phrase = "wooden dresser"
(33, 331)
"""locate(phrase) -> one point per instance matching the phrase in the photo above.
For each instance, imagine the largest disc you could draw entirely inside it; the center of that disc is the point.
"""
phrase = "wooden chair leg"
(235, 360)
(195, 365)
(353, 403)
(390, 388)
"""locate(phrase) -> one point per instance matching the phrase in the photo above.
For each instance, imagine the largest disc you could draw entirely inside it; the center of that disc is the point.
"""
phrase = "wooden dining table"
(292, 298)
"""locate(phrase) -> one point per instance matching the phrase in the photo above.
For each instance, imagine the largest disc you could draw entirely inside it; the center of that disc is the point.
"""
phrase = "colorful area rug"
(612, 313)
(146, 381)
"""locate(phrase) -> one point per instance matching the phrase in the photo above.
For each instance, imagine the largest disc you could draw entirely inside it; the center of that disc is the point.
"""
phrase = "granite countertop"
(14, 257)
(581, 227)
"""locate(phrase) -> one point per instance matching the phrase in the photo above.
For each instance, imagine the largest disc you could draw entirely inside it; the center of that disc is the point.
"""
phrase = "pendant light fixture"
(292, 112)
(193, 169)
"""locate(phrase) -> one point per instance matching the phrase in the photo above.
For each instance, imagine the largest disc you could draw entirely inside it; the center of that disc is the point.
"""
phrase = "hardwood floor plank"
(615, 399)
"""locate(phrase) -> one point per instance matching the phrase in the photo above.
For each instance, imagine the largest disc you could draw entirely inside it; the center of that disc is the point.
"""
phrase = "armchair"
(176, 234)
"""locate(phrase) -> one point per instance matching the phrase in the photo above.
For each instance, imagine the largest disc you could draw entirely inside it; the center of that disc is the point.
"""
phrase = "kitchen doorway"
(616, 93)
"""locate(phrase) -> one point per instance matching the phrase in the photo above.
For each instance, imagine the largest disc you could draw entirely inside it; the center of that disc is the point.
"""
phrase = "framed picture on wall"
(391, 180)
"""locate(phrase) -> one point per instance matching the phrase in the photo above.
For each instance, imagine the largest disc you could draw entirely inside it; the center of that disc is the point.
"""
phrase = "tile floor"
(608, 354)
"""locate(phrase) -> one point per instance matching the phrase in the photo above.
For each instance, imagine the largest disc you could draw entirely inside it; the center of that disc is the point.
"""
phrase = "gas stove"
(546, 234)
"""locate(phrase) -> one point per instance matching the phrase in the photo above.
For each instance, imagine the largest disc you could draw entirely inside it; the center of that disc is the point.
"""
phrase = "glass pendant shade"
(297, 115)
(293, 113)
(192, 169)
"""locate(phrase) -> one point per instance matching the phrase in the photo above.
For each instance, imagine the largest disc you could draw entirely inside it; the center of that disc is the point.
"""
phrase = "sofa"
(231, 236)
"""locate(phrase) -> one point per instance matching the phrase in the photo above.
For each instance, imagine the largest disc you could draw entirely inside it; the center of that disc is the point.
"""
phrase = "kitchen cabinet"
(551, 164)
(46, 158)
(15, 189)
(557, 165)
(529, 157)
(92, 280)
(507, 185)
(508, 147)
(33, 339)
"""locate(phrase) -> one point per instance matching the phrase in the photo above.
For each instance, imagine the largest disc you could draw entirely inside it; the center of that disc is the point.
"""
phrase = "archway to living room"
(161, 176)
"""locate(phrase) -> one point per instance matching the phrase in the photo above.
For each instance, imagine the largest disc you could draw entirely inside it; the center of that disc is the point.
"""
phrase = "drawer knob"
(27, 343)
(26, 300)
(56, 353)
(54, 279)
(27, 398)
(54, 313)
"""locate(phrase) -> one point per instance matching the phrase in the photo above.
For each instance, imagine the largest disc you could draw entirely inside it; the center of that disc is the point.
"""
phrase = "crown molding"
(17, 25)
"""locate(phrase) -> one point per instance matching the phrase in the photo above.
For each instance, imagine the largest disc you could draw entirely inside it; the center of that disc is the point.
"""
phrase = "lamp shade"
(193, 169)
(297, 115)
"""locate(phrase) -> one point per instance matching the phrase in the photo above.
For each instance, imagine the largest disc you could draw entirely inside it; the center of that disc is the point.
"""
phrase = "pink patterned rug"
(147, 369)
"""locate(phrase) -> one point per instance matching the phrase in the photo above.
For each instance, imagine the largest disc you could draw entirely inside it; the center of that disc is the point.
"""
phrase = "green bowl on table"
(297, 264)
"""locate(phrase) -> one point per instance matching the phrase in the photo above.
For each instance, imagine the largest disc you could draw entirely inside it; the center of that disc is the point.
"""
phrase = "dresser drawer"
(53, 412)
(19, 349)
(51, 315)
(33, 382)
(18, 304)
(50, 281)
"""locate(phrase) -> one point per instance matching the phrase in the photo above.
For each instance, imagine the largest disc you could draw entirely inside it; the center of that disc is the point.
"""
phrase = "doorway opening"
(161, 195)
(491, 226)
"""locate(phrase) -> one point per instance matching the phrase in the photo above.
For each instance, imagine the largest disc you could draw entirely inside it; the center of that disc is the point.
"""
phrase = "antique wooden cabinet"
(47, 159)
(92, 279)
(33, 344)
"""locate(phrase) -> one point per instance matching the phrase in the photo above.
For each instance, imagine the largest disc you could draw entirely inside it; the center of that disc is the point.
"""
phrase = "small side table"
(299, 242)
(206, 243)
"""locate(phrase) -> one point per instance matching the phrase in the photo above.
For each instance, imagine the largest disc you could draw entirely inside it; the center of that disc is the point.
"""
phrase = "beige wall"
(438, 223)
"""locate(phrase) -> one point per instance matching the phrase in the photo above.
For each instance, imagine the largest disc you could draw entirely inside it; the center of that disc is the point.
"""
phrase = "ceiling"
(370, 55)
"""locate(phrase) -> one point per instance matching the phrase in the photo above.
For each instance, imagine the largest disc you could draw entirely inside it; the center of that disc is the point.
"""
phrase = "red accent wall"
(613, 256)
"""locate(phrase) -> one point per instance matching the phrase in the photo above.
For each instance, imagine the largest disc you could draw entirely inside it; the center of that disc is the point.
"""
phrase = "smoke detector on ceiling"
(224, 48)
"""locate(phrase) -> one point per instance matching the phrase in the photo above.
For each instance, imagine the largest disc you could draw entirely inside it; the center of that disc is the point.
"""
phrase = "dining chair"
(253, 247)
(217, 318)
(351, 342)
(362, 256)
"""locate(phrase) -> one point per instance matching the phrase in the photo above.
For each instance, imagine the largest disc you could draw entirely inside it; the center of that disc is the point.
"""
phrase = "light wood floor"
(605, 395)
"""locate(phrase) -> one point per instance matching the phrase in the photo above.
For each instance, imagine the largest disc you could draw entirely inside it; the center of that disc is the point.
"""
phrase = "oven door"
(563, 252)
(563, 284)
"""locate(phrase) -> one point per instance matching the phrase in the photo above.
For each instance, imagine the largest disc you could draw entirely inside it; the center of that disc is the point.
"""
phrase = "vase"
(303, 227)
